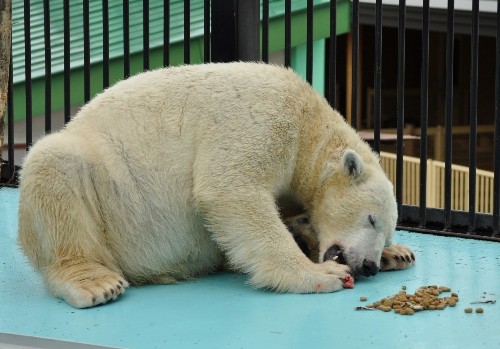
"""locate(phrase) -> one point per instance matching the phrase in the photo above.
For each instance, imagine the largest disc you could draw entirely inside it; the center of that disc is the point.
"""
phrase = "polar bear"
(162, 176)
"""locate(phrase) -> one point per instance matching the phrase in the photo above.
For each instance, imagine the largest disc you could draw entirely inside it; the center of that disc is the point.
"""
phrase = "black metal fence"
(231, 32)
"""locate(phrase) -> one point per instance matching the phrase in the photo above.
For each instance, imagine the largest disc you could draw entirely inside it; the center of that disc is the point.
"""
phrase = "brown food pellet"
(363, 299)
(410, 311)
(479, 310)
(384, 308)
(388, 303)
(468, 310)
(397, 304)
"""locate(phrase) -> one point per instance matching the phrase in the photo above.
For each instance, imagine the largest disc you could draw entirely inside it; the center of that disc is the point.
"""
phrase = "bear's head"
(354, 213)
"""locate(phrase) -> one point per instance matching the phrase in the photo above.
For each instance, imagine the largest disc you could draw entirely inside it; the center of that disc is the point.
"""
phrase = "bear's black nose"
(369, 268)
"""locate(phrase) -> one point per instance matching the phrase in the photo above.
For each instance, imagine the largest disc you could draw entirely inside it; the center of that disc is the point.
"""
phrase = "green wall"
(298, 62)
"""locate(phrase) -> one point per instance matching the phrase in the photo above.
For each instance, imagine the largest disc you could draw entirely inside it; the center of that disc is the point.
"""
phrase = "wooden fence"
(436, 143)
(435, 183)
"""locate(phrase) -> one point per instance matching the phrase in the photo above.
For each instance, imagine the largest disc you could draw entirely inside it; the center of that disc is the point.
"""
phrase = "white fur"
(159, 173)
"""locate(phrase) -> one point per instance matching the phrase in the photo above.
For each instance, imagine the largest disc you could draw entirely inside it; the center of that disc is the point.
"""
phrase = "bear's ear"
(353, 163)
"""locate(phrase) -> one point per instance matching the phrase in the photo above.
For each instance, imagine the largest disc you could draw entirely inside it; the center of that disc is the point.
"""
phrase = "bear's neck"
(324, 137)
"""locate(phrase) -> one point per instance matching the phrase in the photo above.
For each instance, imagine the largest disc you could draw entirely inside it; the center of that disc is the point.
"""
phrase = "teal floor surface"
(221, 311)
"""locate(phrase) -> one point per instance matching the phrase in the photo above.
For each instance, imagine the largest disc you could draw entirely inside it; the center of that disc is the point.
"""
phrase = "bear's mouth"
(335, 253)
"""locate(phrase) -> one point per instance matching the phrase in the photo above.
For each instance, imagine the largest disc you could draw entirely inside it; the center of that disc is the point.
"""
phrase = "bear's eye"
(372, 220)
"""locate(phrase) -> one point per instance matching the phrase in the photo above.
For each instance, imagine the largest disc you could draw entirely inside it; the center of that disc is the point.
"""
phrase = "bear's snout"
(369, 268)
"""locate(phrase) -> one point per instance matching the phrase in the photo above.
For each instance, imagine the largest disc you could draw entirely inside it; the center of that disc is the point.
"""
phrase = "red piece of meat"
(348, 282)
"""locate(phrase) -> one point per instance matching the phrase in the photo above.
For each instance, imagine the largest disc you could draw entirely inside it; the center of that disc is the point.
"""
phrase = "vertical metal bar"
(224, 36)
(288, 32)
(310, 39)
(449, 114)
(332, 78)
(166, 33)
(378, 76)
(247, 18)
(206, 31)
(67, 63)
(355, 62)
(424, 106)
(48, 63)
(473, 115)
(126, 39)
(10, 120)
(6, 117)
(86, 50)
(265, 31)
(27, 69)
(400, 105)
(496, 183)
(105, 41)
(145, 34)
(235, 30)
(187, 31)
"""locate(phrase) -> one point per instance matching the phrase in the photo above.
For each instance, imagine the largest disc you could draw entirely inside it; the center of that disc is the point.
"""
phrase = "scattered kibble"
(363, 299)
(425, 298)
(479, 310)
(468, 310)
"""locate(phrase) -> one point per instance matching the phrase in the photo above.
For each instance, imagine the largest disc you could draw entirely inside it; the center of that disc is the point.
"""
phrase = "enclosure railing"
(230, 31)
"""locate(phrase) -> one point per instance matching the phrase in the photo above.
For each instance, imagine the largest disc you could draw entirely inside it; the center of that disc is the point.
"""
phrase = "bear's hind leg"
(61, 228)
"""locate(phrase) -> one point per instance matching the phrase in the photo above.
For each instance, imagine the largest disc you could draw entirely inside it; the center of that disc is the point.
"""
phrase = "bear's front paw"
(396, 257)
(340, 272)
(308, 277)
(332, 267)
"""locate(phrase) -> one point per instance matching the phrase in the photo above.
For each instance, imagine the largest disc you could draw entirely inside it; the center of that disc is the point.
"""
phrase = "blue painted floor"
(221, 311)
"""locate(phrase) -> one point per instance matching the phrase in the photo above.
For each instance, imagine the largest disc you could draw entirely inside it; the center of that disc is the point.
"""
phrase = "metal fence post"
(235, 30)
(5, 45)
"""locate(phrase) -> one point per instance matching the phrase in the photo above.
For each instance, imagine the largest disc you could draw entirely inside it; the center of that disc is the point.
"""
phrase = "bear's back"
(168, 92)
